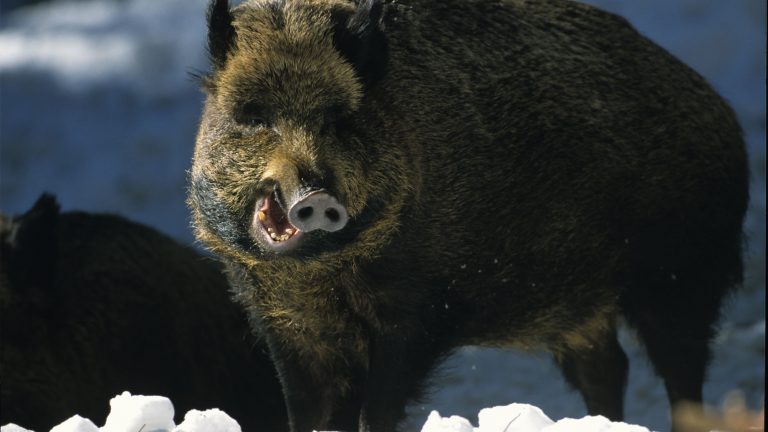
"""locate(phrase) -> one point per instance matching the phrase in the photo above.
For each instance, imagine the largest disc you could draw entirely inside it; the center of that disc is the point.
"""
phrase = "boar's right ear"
(221, 33)
(360, 39)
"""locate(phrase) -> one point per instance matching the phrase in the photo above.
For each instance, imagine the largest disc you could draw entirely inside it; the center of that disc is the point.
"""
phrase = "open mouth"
(272, 221)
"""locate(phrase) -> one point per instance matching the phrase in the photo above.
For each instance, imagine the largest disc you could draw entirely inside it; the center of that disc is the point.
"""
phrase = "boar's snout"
(318, 210)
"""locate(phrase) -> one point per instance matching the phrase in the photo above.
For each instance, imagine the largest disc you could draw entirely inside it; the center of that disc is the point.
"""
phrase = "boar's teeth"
(270, 230)
(289, 231)
(261, 215)
(273, 235)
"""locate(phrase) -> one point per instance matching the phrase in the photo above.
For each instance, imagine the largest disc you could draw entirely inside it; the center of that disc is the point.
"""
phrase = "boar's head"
(289, 159)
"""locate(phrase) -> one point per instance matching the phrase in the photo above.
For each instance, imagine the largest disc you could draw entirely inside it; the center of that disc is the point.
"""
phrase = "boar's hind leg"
(676, 336)
(600, 374)
(674, 301)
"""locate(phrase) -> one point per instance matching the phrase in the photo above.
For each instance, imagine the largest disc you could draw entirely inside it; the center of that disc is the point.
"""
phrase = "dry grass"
(733, 416)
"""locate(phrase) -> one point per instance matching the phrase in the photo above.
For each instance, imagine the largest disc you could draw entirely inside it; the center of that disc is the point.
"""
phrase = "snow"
(132, 413)
(514, 417)
(76, 424)
(212, 420)
(138, 413)
(10, 427)
(592, 424)
(135, 44)
(98, 107)
(523, 418)
(435, 423)
(104, 108)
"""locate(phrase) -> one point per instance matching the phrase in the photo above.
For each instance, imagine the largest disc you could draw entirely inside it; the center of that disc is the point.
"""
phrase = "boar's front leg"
(399, 363)
(317, 398)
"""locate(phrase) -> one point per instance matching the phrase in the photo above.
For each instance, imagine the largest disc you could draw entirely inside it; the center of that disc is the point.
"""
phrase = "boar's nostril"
(332, 214)
(305, 212)
(318, 210)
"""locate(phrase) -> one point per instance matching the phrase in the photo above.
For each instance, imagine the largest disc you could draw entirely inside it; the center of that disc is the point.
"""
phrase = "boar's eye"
(252, 114)
(257, 121)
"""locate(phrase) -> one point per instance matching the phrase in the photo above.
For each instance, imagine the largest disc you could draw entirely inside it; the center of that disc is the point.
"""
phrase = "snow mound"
(592, 424)
(435, 423)
(132, 413)
(146, 413)
(212, 420)
(75, 424)
(523, 418)
(513, 417)
(10, 427)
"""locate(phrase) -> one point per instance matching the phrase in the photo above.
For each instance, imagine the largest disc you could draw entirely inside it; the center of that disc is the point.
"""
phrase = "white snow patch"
(131, 413)
(523, 418)
(10, 427)
(592, 424)
(134, 413)
(76, 424)
(212, 420)
(436, 423)
(145, 413)
(72, 55)
(513, 417)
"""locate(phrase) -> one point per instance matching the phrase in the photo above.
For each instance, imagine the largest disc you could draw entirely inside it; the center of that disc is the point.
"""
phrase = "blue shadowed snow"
(97, 107)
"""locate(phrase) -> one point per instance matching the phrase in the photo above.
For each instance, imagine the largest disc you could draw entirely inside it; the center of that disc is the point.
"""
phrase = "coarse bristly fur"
(517, 173)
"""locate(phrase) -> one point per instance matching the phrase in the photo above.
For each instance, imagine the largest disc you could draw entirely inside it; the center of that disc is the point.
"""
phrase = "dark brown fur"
(93, 305)
(517, 173)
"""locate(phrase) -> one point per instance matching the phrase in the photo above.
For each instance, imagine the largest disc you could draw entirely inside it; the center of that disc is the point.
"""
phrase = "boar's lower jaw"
(270, 225)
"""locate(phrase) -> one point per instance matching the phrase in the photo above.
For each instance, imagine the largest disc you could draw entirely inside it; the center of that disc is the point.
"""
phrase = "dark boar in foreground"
(93, 305)
(388, 181)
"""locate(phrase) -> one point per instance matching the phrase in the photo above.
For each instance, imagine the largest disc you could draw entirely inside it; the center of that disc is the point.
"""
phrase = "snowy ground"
(131, 413)
(96, 106)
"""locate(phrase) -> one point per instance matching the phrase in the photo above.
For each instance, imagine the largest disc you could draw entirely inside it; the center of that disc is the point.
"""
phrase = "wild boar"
(389, 180)
(94, 304)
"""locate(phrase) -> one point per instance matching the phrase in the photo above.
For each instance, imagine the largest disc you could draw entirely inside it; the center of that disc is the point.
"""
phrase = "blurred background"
(97, 106)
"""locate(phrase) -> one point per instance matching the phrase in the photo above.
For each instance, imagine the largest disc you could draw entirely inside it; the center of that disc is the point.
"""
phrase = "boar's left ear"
(361, 41)
(31, 250)
(221, 33)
